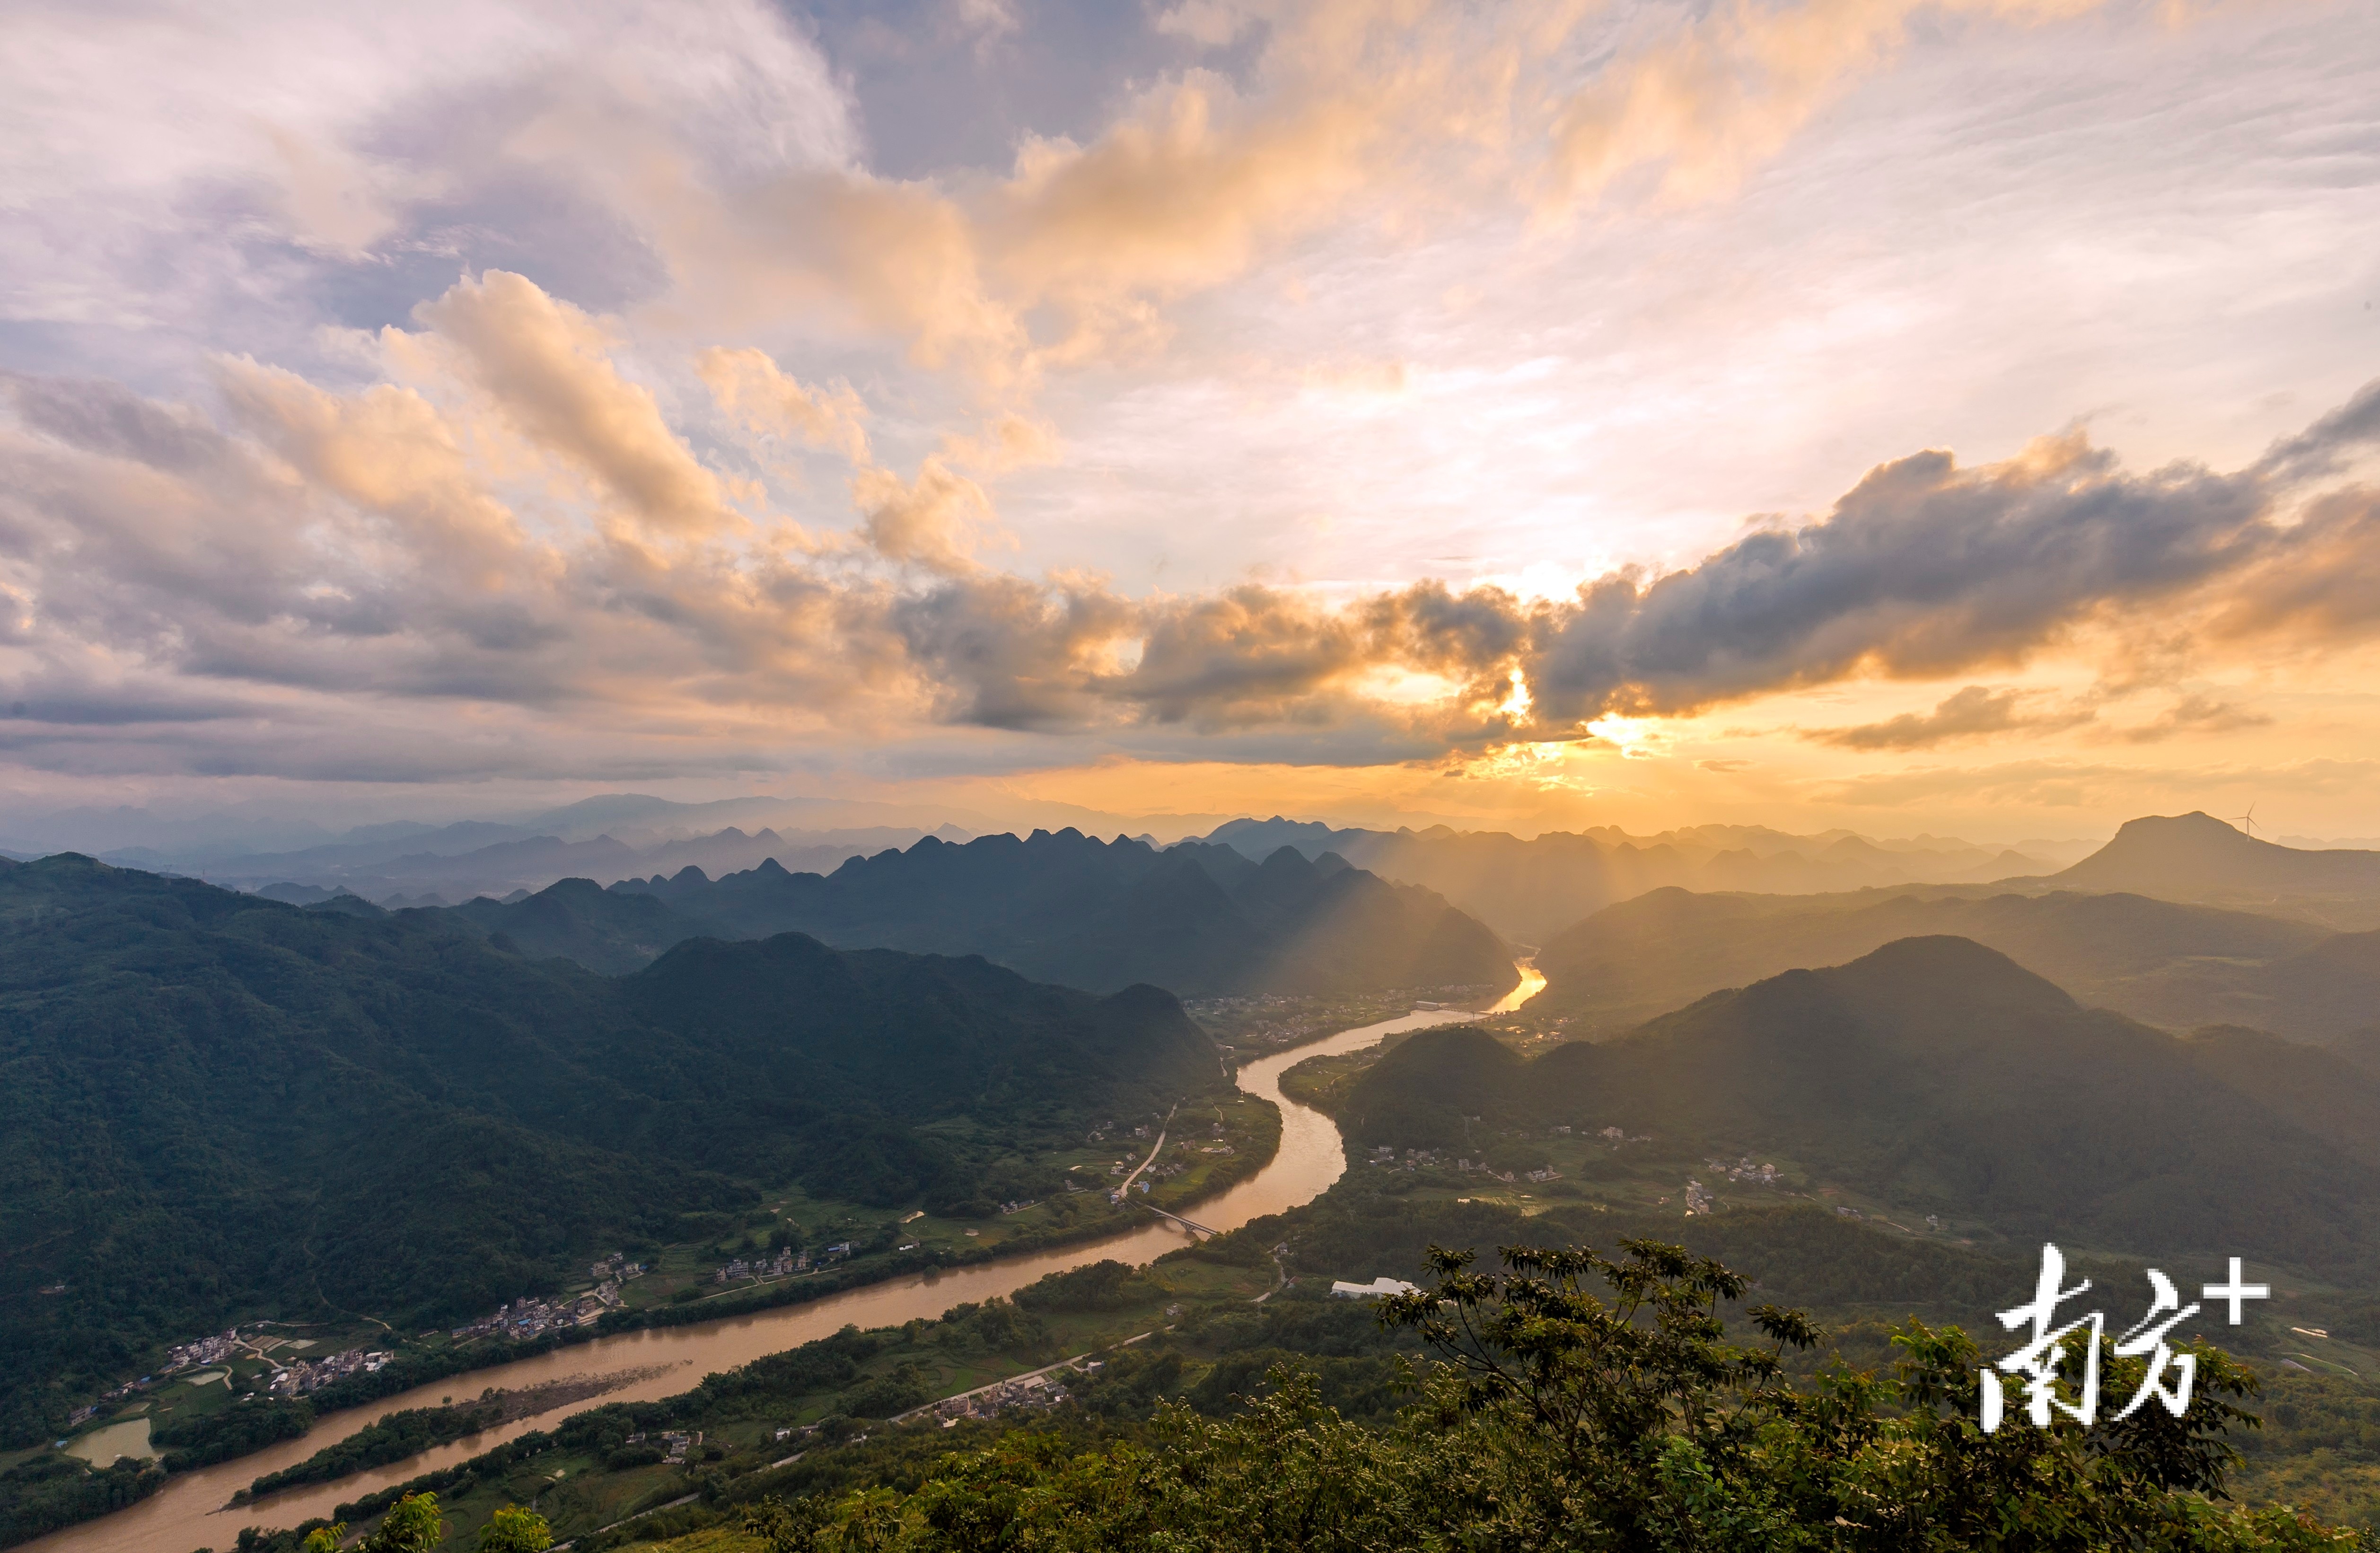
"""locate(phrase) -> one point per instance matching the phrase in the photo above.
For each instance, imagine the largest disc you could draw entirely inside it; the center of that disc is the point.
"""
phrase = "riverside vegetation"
(222, 1108)
(1570, 1399)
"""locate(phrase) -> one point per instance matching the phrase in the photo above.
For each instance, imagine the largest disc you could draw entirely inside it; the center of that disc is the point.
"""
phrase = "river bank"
(191, 1510)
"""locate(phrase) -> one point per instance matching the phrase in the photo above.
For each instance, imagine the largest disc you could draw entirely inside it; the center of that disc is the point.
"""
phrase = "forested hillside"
(2167, 963)
(1942, 1076)
(213, 1104)
(1200, 921)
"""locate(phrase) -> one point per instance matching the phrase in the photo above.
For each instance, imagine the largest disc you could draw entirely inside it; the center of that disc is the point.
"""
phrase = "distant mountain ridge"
(1530, 889)
(214, 1100)
(2197, 856)
(410, 869)
(2171, 964)
(1942, 1076)
(1201, 921)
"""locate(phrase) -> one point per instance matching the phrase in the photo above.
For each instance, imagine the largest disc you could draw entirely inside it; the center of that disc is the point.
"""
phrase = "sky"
(1955, 418)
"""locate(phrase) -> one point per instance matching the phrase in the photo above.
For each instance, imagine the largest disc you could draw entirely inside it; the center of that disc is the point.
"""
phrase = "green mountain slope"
(2158, 960)
(209, 1103)
(578, 919)
(1939, 1075)
(1201, 921)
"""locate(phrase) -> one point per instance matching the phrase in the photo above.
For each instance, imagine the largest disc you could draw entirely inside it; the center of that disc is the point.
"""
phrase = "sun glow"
(1636, 738)
(1536, 764)
(1516, 706)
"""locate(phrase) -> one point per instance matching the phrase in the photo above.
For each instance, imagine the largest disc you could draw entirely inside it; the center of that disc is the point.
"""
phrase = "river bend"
(189, 1512)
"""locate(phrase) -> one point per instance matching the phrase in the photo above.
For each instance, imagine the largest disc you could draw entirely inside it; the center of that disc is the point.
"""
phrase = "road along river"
(190, 1512)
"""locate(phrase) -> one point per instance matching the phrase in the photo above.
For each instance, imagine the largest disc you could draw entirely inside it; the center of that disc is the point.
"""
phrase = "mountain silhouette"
(1200, 921)
(2168, 963)
(1941, 1076)
(2196, 856)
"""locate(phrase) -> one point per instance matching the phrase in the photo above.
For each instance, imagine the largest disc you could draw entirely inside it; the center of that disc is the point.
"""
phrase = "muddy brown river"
(191, 1510)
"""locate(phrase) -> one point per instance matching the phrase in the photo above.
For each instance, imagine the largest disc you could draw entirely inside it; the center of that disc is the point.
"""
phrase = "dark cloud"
(108, 418)
(62, 704)
(1923, 569)
(2320, 579)
(1002, 652)
(2321, 447)
(339, 549)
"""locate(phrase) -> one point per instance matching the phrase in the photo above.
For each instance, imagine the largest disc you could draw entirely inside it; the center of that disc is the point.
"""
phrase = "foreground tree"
(514, 1530)
(411, 1525)
(1594, 1404)
(1601, 1397)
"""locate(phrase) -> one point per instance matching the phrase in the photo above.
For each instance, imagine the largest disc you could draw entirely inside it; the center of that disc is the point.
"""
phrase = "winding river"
(189, 1512)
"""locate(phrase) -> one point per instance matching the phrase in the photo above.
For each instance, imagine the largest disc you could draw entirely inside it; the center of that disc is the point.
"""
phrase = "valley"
(692, 1341)
(1743, 1120)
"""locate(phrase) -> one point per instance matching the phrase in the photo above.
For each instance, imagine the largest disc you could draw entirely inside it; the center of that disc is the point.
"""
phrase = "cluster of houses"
(1745, 1170)
(1426, 1158)
(1268, 1032)
(678, 1444)
(206, 1350)
(783, 1265)
(1699, 1199)
(1615, 1136)
(216, 1350)
(528, 1317)
(1043, 1390)
(297, 1380)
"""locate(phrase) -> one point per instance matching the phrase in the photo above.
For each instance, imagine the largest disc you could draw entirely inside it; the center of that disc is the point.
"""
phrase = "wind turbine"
(2248, 822)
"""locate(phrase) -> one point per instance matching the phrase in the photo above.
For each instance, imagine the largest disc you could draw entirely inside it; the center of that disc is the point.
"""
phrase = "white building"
(1372, 1290)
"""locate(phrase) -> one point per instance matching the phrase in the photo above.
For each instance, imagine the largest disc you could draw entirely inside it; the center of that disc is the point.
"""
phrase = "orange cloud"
(749, 386)
(1726, 89)
(547, 367)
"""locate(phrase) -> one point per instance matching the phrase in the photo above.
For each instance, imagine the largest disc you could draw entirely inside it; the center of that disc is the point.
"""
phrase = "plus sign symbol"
(2232, 1293)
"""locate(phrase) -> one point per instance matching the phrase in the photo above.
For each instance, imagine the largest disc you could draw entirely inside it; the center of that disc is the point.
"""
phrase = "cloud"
(1407, 119)
(2195, 713)
(519, 525)
(931, 521)
(1214, 23)
(2073, 785)
(751, 387)
(389, 452)
(1923, 569)
(1971, 713)
(549, 370)
(1707, 102)
(2321, 582)
(1006, 653)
